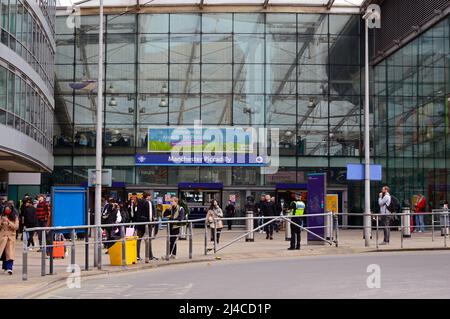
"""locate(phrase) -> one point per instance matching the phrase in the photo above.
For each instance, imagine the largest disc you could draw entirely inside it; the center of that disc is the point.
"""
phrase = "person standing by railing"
(297, 210)
(145, 213)
(9, 226)
(214, 220)
(230, 212)
(30, 221)
(384, 200)
(43, 216)
(419, 208)
(175, 213)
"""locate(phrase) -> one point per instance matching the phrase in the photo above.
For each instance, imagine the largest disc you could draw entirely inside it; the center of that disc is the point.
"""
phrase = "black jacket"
(268, 209)
(142, 212)
(29, 215)
(230, 210)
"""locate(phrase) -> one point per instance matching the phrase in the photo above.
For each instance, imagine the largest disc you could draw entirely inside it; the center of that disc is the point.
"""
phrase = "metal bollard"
(43, 252)
(446, 228)
(25, 256)
(336, 230)
(401, 234)
(191, 233)
(288, 229)
(51, 252)
(249, 226)
(406, 222)
(215, 236)
(327, 224)
(377, 225)
(146, 239)
(206, 239)
(72, 251)
(124, 248)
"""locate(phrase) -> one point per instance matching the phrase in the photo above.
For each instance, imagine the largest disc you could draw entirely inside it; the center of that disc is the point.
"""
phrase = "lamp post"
(372, 19)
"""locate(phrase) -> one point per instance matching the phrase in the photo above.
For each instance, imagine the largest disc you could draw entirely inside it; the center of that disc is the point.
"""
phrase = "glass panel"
(249, 49)
(153, 48)
(217, 23)
(153, 23)
(184, 109)
(248, 23)
(121, 48)
(216, 109)
(281, 48)
(184, 48)
(217, 48)
(185, 23)
(149, 175)
(281, 23)
(124, 23)
(184, 78)
(248, 109)
(249, 78)
(120, 108)
(152, 78)
(216, 78)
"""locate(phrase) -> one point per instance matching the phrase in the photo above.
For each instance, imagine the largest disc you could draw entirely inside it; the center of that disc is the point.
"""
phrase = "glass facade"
(411, 118)
(24, 33)
(25, 104)
(213, 67)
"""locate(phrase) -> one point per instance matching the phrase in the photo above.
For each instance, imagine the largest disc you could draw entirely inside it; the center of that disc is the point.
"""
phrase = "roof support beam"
(266, 3)
(330, 4)
(201, 4)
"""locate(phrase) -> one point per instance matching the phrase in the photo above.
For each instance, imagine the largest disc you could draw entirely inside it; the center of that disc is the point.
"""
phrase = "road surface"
(401, 275)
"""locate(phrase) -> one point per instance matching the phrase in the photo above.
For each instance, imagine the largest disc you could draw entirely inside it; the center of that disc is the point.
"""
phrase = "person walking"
(419, 208)
(30, 221)
(384, 200)
(43, 216)
(297, 210)
(278, 211)
(145, 212)
(175, 213)
(258, 207)
(230, 212)
(268, 210)
(8, 227)
(214, 220)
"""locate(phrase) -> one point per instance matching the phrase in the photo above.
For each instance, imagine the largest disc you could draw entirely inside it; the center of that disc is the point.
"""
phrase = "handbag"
(129, 232)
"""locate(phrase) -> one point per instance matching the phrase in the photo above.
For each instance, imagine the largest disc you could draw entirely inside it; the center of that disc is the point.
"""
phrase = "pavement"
(350, 242)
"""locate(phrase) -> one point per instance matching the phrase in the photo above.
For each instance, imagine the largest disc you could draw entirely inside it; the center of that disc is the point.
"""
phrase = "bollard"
(287, 236)
(215, 236)
(249, 226)
(25, 257)
(206, 239)
(72, 251)
(377, 224)
(442, 222)
(327, 223)
(446, 228)
(191, 233)
(51, 252)
(401, 229)
(336, 230)
(406, 222)
(146, 239)
(124, 243)
(43, 252)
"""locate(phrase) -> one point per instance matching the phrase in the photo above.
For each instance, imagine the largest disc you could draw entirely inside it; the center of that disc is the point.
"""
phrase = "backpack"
(394, 205)
(185, 206)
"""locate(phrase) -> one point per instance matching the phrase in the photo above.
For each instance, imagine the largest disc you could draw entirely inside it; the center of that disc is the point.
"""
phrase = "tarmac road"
(402, 275)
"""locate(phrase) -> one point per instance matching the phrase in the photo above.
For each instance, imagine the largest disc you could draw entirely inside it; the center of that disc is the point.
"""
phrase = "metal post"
(376, 235)
(43, 252)
(288, 230)
(446, 228)
(190, 234)
(146, 240)
(99, 247)
(249, 226)
(215, 236)
(51, 252)
(168, 241)
(401, 228)
(206, 238)
(86, 250)
(25, 256)
(367, 220)
(124, 248)
(99, 129)
(336, 224)
(72, 251)
(432, 226)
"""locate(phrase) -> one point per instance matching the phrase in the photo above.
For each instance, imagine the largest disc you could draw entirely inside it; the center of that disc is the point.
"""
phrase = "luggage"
(59, 249)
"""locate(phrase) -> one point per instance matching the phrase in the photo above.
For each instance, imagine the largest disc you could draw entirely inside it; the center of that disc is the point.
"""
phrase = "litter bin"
(444, 222)
(115, 252)
(406, 222)
(249, 225)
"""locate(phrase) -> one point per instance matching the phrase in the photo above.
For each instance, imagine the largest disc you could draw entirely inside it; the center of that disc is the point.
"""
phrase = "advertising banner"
(316, 205)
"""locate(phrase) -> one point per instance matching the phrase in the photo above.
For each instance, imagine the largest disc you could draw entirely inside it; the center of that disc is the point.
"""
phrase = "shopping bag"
(129, 232)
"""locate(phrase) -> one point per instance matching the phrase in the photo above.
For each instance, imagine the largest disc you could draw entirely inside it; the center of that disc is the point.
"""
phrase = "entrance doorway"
(198, 196)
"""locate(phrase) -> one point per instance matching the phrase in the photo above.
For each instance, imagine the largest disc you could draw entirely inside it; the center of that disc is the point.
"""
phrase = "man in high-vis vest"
(297, 210)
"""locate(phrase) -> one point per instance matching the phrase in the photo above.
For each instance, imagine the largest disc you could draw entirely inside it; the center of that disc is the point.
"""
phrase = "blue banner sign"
(194, 159)
(355, 172)
(317, 191)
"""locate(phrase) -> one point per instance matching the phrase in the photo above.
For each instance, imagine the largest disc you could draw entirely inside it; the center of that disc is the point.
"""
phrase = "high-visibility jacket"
(299, 208)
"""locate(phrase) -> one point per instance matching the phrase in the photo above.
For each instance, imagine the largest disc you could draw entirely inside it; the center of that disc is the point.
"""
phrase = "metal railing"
(49, 232)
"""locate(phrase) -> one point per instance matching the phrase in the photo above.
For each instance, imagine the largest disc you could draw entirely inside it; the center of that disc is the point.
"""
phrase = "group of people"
(28, 214)
(142, 210)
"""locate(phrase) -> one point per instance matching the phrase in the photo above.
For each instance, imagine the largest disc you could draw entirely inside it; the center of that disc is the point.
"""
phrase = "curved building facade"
(27, 52)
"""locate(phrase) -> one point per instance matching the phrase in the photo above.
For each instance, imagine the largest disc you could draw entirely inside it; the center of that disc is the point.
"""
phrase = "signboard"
(316, 205)
(199, 139)
(355, 172)
(69, 206)
(332, 201)
(106, 177)
(193, 159)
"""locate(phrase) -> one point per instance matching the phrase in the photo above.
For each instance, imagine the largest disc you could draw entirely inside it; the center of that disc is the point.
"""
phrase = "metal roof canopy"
(328, 4)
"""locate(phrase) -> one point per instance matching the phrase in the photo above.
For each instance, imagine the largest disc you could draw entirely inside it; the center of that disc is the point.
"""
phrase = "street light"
(372, 19)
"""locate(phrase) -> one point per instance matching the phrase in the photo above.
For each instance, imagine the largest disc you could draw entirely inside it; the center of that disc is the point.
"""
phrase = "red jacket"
(42, 211)
(421, 204)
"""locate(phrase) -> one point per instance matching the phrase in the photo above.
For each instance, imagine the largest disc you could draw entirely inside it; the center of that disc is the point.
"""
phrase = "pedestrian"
(297, 209)
(132, 206)
(419, 208)
(22, 205)
(268, 210)
(384, 200)
(230, 212)
(30, 221)
(43, 216)
(175, 213)
(258, 206)
(8, 227)
(145, 213)
(214, 220)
